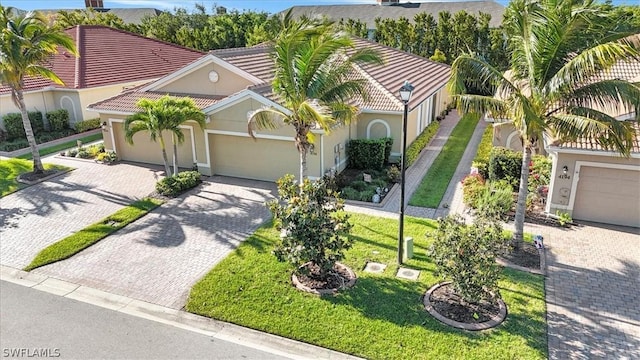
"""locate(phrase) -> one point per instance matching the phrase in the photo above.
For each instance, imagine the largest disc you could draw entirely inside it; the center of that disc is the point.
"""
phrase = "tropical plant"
(162, 115)
(558, 49)
(314, 79)
(313, 226)
(26, 43)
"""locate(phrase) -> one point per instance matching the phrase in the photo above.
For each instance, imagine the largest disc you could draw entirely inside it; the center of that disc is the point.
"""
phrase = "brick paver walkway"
(161, 256)
(33, 218)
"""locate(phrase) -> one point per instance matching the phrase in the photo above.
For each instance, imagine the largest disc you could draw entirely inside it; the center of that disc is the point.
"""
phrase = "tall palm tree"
(182, 110)
(159, 116)
(26, 42)
(553, 87)
(314, 80)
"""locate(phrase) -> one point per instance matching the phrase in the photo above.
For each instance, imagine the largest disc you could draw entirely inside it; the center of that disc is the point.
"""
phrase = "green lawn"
(64, 146)
(10, 169)
(435, 182)
(90, 235)
(382, 317)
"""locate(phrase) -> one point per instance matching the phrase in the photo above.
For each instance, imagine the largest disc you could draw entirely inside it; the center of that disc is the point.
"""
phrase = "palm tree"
(183, 110)
(159, 116)
(553, 88)
(26, 42)
(314, 81)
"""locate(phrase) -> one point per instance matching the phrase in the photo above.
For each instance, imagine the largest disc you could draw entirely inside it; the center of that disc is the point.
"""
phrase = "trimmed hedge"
(87, 125)
(481, 161)
(367, 153)
(414, 150)
(174, 185)
(14, 127)
(58, 119)
(505, 164)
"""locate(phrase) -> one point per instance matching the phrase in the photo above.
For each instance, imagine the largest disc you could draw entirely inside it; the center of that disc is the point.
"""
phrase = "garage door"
(608, 195)
(146, 151)
(261, 159)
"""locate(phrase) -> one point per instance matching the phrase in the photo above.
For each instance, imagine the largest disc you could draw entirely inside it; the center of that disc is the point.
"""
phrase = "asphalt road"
(36, 324)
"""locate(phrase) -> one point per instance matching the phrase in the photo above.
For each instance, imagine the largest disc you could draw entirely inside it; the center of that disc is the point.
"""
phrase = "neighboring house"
(230, 84)
(599, 186)
(392, 9)
(110, 61)
(128, 15)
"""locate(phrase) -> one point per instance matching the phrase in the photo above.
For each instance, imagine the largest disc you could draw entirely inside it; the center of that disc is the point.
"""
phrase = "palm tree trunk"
(522, 197)
(167, 171)
(175, 155)
(37, 163)
(301, 144)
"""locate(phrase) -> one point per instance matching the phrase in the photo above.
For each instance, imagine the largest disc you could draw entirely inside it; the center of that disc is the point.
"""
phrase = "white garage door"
(261, 159)
(608, 195)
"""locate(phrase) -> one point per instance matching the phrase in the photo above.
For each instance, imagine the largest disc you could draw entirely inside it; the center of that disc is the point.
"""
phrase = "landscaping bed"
(363, 185)
(381, 316)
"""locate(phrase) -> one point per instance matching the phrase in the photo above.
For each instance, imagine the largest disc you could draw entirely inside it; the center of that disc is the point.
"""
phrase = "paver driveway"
(161, 256)
(34, 218)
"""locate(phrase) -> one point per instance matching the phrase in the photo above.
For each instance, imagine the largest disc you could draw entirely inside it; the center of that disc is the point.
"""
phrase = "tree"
(160, 116)
(66, 19)
(26, 43)
(558, 49)
(314, 80)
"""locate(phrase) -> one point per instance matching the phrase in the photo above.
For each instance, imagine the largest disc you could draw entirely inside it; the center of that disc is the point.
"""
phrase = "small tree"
(467, 256)
(314, 228)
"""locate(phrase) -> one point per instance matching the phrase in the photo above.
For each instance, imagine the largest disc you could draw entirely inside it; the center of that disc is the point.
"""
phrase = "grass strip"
(435, 182)
(64, 146)
(382, 316)
(88, 236)
(10, 169)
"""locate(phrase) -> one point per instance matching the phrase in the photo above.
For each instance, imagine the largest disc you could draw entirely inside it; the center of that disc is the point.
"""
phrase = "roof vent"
(96, 4)
(388, 2)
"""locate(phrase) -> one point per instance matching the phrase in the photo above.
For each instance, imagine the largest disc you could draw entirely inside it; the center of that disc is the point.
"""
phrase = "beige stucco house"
(109, 62)
(230, 84)
(587, 182)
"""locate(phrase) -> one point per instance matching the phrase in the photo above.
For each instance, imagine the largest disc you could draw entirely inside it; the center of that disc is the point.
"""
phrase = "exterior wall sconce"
(104, 126)
(565, 170)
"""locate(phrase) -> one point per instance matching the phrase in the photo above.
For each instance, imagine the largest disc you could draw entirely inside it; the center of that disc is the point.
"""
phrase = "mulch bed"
(448, 304)
(337, 278)
(526, 256)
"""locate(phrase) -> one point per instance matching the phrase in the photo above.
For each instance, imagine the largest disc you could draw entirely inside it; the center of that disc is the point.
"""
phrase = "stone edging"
(349, 284)
(57, 173)
(495, 321)
(543, 264)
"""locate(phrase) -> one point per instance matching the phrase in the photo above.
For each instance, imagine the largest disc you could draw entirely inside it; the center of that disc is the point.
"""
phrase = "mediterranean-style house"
(110, 61)
(230, 84)
(587, 182)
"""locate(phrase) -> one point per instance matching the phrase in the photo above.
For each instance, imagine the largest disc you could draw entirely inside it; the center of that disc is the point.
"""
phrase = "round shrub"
(83, 154)
(350, 193)
(174, 185)
(505, 164)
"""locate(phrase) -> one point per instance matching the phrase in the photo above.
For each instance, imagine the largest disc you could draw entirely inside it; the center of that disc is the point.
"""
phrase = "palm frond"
(266, 118)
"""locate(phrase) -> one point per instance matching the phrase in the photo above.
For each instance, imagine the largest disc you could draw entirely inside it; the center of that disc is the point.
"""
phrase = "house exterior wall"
(377, 124)
(334, 149)
(198, 82)
(35, 101)
(89, 96)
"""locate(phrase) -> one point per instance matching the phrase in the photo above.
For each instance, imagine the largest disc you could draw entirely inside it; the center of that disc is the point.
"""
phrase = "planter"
(492, 322)
(350, 281)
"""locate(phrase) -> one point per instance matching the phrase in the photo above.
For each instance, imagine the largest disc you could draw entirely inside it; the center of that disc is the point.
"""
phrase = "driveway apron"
(38, 216)
(160, 257)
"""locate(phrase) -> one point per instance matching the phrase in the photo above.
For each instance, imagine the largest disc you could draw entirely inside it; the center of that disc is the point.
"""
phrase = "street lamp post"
(405, 94)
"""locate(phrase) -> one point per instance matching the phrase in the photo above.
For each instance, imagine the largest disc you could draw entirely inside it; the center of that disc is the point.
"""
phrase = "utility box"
(408, 248)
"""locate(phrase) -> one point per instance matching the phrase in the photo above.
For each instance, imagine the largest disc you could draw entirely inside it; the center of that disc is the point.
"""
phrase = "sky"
(270, 6)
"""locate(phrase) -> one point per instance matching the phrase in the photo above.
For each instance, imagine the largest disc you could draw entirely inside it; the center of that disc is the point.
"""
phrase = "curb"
(240, 335)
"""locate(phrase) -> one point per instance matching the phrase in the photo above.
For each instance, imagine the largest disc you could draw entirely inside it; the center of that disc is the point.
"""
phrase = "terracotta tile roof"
(623, 70)
(110, 56)
(255, 60)
(583, 144)
(126, 102)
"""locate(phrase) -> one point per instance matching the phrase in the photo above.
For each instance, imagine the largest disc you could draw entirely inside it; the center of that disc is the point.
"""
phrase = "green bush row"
(58, 120)
(413, 151)
(174, 185)
(87, 125)
(368, 153)
(22, 143)
(481, 161)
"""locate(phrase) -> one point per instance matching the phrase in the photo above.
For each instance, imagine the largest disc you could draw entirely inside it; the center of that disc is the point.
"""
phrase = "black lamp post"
(405, 94)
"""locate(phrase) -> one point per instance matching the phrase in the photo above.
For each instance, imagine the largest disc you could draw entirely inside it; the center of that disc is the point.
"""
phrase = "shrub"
(466, 255)
(472, 188)
(539, 172)
(359, 185)
(72, 153)
(14, 145)
(15, 128)
(388, 144)
(94, 150)
(496, 200)
(505, 164)
(83, 154)
(413, 151)
(481, 161)
(58, 119)
(313, 226)
(350, 193)
(366, 153)
(107, 157)
(366, 195)
(87, 125)
(174, 185)
(393, 174)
